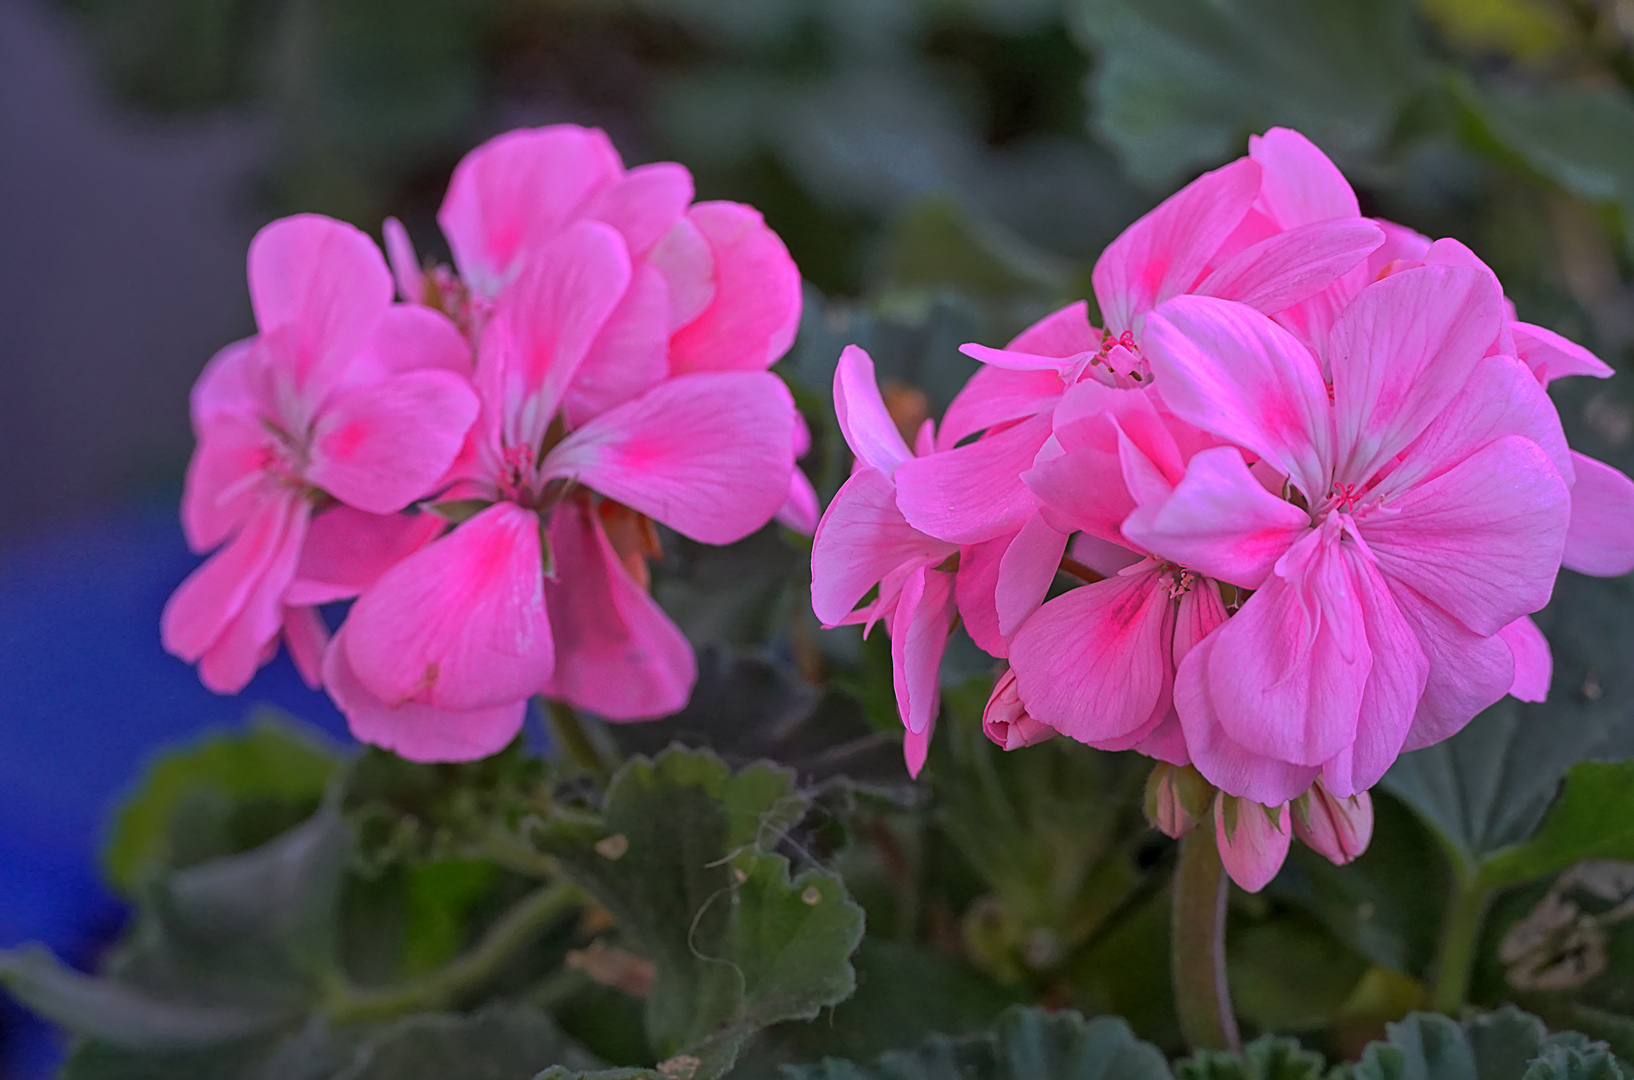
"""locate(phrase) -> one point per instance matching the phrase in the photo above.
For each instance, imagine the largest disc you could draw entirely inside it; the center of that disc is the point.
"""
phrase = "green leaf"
(1178, 84)
(1592, 819)
(502, 1042)
(1025, 1044)
(1581, 139)
(119, 1014)
(681, 856)
(228, 792)
(1269, 1057)
(1506, 1044)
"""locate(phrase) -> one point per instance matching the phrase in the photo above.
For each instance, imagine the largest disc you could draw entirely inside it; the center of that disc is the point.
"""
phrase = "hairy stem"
(1460, 934)
(460, 977)
(1202, 998)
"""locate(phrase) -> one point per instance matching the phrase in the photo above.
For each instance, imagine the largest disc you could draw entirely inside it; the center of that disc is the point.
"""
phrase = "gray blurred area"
(122, 243)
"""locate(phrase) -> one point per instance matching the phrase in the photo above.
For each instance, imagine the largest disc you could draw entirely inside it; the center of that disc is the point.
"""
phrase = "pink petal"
(412, 337)
(800, 510)
(644, 203)
(1551, 356)
(1395, 683)
(381, 447)
(1220, 521)
(1063, 332)
(1226, 764)
(995, 396)
(1298, 183)
(973, 492)
(1467, 673)
(752, 318)
(1483, 539)
(226, 481)
(230, 384)
(412, 730)
(514, 193)
(617, 654)
(1282, 270)
(347, 550)
(978, 581)
(1501, 398)
(230, 610)
(688, 266)
(1230, 370)
(860, 540)
(1286, 674)
(1005, 720)
(405, 265)
(307, 637)
(1094, 663)
(629, 356)
(864, 420)
(461, 623)
(324, 286)
(1253, 840)
(545, 325)
(1082, 488)
(1026, 572)
(708, 454)
(916, 748)
(1014, 360)
(1101, 556)
(1600, 540)
(919, 631)
(1534, 664)
(1400, 354)
(1164, 253)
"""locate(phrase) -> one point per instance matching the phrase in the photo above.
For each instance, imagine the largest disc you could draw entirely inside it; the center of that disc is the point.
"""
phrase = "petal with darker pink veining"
(861, 539)
(1298, 182)
(323, 286)
(1166, 251)
(1284, 269)
(1551, 356)
(919, 632)
(1219, 521)
(973, 492)
(514, 193)
(417, 732)
(617, 654)
(860, 409)
(1026, 572)
(461, 623)
(1400, 354)
(1468, 672)
(380, 447)
(1095, 664)
(1230, 370)
(347, 550)
(707, 454)
(755, 309)
(1482, 540)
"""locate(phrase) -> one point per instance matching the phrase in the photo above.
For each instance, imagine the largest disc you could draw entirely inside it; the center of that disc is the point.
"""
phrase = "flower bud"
(1177, 797)
(1005, 719)
(1253, 839)
(1336, 829)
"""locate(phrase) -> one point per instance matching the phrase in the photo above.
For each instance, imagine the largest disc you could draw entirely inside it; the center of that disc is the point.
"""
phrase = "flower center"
(1118, 362)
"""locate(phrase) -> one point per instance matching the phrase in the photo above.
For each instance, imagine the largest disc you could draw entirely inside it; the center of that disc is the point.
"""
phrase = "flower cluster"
(1305, 478)
(481, 464)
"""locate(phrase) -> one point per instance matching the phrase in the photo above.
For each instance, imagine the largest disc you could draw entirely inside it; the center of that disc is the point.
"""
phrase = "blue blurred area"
(86, 695)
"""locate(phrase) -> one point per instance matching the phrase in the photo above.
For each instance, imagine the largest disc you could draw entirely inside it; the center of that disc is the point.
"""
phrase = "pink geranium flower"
(340, 412)
(533, 594)
(711, 287)
(863, 543)
(1395, 524)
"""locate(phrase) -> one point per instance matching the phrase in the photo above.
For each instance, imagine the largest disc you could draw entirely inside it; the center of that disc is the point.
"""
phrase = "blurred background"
(942, 171)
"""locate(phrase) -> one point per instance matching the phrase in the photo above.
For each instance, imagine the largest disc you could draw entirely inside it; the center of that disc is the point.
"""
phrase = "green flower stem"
(441, 989)
(1202, 997)
(568, 732)
(1460, 934)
